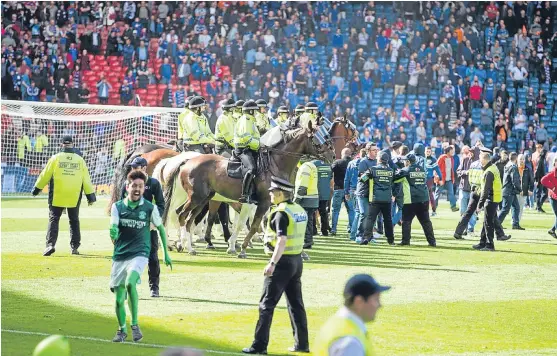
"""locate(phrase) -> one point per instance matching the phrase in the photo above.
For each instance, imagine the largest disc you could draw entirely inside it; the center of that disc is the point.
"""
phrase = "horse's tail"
(119, 178)
(169, 190)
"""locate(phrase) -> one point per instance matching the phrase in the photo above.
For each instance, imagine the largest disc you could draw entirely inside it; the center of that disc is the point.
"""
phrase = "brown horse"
(205, 176)
(344, 135)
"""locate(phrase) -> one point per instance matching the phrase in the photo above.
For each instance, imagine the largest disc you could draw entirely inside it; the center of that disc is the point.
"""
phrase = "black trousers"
(308, 238)
(541, 195)
(287, 278)
(470, 210)
(420, 211)
(54, 213)
(154, 265)
(324, 215)
(223, 217)
(488, 230)
(385, 210)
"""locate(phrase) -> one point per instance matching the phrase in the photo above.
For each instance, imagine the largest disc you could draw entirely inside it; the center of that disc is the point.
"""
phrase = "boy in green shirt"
(130, 223)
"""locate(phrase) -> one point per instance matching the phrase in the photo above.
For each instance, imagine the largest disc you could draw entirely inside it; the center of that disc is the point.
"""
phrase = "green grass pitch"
(451, 300)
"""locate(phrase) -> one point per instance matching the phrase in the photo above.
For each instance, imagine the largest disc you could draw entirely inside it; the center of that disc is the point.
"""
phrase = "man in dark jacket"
(362, 192)
(511, 188)
(339, 173)
(541, 191)
(502, 163)
(465, 189)
(324, 175)
(153, 194)
(416, 204)
(380, 180)
(526, 181)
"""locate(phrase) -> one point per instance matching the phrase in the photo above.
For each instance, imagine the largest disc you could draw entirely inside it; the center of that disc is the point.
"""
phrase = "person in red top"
(476, 91)
(550, 182)
(492, 10)
(446, 181)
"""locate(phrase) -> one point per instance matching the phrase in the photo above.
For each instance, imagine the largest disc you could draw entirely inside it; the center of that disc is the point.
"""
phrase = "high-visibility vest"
(41, 143)
(295, 232)
(497, 185)
(224, 130)
(246, 133)
(306, 117)
(197, 130)
(307, 177)
(67, 175)
(336, 328)
(262, 122)
(23, 144)
(475, 176)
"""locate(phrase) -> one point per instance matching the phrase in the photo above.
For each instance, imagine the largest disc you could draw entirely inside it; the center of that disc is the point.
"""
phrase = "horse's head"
(344, 135)
(313, 141)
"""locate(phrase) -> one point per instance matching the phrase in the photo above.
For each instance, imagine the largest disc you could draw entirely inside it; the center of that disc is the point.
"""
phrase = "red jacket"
(550, 182)
(442, 167)
(476, 92)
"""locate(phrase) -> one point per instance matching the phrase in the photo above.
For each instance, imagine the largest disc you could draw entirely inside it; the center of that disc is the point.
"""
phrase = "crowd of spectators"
(426, 72)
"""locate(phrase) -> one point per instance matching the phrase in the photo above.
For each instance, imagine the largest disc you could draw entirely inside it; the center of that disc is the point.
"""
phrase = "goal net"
(32, 132)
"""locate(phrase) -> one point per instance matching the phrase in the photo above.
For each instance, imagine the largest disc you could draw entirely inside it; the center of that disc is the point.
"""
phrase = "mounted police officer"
(282, 115)
(261, 118)
(182, 123)
(246, 143)
(295, 120)
(310, 114)
(380, 179)
(224, 130)
(193, 129)
(284, 239)
(237, 111)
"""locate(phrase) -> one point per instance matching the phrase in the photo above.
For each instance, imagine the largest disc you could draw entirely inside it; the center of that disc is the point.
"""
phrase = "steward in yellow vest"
(246, 143)
(262, 121)
(23, 144)
(491, 196)
(194, 133)
(284, 237)
(345, 333)
(67, 176)
(224, 130)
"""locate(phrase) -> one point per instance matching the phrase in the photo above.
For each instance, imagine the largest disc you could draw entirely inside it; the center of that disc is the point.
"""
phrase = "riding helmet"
(228, 104)
(249, 105)
(239, 104)
(282, 110)
(197, 102)
(261, 103)
(311, 106)
(299, 109)
(187, 102)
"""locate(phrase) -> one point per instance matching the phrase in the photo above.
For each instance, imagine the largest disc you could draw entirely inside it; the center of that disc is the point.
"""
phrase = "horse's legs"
(261, 209)
(239, 224)
(213, 208)
(185, 236)
(187, 228)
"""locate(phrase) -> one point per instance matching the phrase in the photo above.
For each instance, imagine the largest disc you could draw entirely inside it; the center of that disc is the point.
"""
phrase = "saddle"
(235, 169)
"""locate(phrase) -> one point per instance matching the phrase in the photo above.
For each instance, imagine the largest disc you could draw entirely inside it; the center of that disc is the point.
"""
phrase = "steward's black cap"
(363, 285)
(139, 162)
(281, 184)
(67, 140)
(384, 157)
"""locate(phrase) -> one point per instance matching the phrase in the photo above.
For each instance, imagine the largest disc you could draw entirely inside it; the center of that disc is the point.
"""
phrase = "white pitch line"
(140, 344)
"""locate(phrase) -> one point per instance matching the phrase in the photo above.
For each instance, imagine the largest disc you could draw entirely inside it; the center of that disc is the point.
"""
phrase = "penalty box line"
(140, 344)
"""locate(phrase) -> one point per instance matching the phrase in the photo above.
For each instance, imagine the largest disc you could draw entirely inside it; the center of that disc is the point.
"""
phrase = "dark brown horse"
(205, 176)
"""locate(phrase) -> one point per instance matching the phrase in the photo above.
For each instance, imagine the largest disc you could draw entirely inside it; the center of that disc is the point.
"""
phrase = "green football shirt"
(134, 228)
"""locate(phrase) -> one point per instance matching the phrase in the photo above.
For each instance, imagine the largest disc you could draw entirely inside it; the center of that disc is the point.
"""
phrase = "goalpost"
(32, 132)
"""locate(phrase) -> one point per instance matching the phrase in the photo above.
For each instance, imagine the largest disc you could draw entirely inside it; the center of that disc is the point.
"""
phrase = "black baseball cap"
(67, 140)
(139, 162)
(363, 285)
